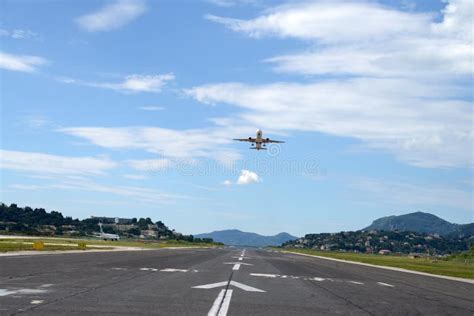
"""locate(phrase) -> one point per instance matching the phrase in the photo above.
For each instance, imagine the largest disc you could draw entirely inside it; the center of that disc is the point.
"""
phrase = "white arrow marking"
(385, 284)
(241, 286)
(236, 267)
(245, 287)
(210, 286)
(173, 270)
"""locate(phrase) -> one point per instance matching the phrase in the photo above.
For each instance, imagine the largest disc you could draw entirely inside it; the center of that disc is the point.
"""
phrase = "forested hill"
(414, 232)
(422, 223)
(29, 221)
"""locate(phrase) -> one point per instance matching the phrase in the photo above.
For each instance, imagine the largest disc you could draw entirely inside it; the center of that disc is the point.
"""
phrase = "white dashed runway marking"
(148, 269)
(317, 279)
(173, 270)
(355, 282)
(6, 292)
(265, 275)
(242, 263)
(385, 284)
(168, 270)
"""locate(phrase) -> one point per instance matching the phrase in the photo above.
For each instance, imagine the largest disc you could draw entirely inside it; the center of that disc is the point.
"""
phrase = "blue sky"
(127, 108)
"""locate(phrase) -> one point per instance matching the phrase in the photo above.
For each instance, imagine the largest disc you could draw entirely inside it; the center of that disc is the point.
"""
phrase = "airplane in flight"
(258, 142)
(106, 236)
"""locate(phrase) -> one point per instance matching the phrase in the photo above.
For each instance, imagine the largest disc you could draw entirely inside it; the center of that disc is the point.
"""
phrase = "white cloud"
(388, 114)
(136, 193)
(364, 38)
(41, 163)
(28, 187)
(150, 164)
(151, 108)
(403, 57)
(131, 83)
(399, 81)
(248, 177)
(138, 83)
(181, 145)
(18, 34)
(141, 194)
(227, 183)
(457, 20)
(25, 63)
(112, 16)
(329, 21)
(36, 121)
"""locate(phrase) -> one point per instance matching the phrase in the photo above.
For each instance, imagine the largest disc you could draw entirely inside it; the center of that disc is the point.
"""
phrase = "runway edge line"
(385, 267)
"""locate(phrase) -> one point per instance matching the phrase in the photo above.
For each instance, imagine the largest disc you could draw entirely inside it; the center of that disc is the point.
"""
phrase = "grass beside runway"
(20, 246)
(23, 244)
(461, 266)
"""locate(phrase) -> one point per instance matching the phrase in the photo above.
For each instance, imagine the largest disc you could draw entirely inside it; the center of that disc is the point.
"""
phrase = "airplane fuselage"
(105, 236)
(259, 140)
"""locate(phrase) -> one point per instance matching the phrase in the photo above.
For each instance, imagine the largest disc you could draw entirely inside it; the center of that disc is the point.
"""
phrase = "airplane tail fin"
(100, 226)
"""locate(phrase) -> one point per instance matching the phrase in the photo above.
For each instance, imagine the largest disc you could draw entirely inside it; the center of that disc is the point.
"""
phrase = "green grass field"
(16, 246)
(20, 244)
(456, 266)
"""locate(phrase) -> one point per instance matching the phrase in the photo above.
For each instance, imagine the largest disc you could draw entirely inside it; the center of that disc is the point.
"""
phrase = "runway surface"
(227, 281)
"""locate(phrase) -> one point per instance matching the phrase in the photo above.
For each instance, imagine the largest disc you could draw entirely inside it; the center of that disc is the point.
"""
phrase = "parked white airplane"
(106, 236)
(258, 142)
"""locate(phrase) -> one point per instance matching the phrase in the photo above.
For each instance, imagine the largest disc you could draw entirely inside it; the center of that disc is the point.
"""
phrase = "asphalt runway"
(227, 281)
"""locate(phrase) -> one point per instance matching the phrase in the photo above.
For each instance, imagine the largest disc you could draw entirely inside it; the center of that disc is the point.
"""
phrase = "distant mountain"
(420, 222)
(236, 237)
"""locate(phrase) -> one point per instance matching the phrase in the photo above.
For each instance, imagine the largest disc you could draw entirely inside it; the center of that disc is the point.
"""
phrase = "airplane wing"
(267, 141)
(250, 139)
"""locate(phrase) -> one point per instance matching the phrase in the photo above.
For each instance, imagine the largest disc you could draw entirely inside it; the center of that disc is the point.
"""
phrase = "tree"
(134, 231)
(143, 223)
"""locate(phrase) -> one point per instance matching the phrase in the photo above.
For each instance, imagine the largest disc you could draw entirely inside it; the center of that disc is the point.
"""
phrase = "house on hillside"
(113, 220)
